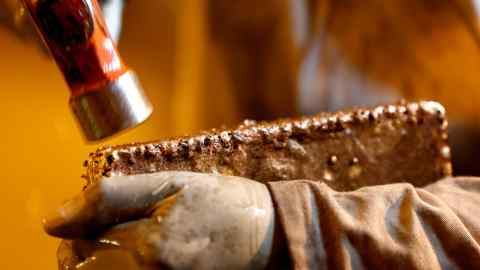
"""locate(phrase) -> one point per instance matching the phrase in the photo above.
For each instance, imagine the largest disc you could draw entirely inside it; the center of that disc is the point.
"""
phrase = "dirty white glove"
(175, 220)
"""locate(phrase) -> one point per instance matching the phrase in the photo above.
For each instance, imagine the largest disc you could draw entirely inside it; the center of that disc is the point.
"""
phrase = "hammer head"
(118, 106)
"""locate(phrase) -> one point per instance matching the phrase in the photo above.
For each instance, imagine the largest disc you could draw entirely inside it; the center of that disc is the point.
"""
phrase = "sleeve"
(381, 227)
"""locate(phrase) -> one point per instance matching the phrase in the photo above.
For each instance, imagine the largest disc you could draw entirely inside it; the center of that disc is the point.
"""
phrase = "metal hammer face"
(106, 96)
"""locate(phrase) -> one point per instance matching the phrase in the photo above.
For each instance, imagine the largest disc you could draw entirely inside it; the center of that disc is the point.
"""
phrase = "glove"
(174, 220)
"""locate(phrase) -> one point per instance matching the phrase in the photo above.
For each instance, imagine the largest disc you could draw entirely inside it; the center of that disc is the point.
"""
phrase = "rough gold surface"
(385, 144)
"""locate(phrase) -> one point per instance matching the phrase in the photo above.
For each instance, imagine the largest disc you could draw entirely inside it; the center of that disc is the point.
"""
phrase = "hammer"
(106, 96)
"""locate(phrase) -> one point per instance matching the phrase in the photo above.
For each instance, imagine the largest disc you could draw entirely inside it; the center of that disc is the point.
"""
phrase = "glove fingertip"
(65, 221)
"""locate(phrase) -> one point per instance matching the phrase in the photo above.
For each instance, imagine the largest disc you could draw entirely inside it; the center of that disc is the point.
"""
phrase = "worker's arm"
(394, 226)
(198, 221)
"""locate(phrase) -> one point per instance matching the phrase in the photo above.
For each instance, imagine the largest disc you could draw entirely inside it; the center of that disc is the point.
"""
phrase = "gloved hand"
(177, 220)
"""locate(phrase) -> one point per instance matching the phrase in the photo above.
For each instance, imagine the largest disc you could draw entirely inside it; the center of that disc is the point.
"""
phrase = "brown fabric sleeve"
(381, 227)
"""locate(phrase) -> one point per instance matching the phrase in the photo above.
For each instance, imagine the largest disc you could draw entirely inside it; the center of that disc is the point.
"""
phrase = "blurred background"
(211, 63)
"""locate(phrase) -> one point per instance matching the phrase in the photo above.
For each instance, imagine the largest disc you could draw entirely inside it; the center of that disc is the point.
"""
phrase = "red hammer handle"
(75, 33)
